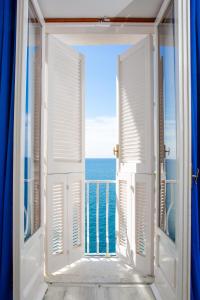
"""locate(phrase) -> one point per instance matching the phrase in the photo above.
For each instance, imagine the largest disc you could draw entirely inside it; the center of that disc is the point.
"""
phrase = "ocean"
(101, 169)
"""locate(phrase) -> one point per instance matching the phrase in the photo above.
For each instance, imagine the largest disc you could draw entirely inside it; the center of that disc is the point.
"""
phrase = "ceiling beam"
(100, 20)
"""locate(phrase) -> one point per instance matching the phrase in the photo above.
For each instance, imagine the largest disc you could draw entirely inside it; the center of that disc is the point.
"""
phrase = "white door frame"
(185, 109)
(183, 234)
(23, 285)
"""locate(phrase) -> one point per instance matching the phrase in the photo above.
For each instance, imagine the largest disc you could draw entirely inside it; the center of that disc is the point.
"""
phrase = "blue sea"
(101, 169)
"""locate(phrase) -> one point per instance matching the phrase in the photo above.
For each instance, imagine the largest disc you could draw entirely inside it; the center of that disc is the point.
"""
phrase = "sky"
(100, 98)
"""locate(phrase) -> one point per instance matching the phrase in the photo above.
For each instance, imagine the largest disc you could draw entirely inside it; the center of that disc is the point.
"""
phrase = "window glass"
(168, 122)
(32, 126)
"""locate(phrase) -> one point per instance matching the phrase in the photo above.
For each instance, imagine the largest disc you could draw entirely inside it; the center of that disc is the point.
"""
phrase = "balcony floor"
(135, 292)
(97, 270)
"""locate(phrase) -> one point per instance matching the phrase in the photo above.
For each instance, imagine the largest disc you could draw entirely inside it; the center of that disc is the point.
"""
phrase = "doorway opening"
(106, 220)
(100, 137)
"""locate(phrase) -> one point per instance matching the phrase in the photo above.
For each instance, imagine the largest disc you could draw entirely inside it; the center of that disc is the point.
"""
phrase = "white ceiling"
(99, 8)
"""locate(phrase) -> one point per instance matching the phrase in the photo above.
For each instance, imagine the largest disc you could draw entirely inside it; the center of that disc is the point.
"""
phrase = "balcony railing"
(100, 217)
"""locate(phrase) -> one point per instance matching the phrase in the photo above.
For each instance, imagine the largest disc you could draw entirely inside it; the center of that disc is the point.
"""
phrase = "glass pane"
(32, 126)
(168, 122)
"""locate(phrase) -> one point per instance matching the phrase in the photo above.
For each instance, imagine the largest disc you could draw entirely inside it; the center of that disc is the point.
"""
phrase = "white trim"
(38, 11)
(183, 234)
(99, 28)
(20, 248)
(155, 292)
(161, 12)
(18, 162)
(185, 96)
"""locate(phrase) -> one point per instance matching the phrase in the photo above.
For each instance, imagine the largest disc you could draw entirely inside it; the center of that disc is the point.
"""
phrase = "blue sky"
(100, 80)
(100, 97)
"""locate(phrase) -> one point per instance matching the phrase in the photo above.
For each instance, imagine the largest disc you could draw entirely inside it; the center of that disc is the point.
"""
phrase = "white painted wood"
(88, 216)
(101, 38)
(65, 108)
(57, 222)
(28, 257)
(136, 162)
(65, 157)
(65, 220)
(163, 282)
(135, 88)
(144, 221)
(124, 217)
(114, 29)
(184, 127)
(178, 254)
(120, 8)
(76, 216)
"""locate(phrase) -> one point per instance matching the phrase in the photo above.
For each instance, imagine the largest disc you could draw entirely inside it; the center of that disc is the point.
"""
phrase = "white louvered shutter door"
(135, 118)
(135, 108)
(65, 108)
(124, 217)
(65, 154)
(143, 208)
(75, 201)
(57, 242)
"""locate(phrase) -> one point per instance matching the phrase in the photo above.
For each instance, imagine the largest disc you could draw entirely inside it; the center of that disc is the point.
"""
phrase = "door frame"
(185, 109)
(21, 287)
(182, 9)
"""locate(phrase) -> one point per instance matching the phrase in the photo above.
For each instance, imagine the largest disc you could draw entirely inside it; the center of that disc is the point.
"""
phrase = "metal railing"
(94, 195)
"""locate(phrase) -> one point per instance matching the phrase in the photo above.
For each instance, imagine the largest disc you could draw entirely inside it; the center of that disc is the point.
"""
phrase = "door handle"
(116, 150)
(196, 176)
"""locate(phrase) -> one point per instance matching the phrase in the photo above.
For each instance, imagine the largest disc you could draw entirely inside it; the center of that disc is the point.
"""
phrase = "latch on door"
(116, 150)
(196, 176)
(166, 150)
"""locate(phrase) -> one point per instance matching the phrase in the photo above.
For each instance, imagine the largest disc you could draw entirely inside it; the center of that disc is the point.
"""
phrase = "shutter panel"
(143, 199)
(135, 165)
(65, 108)
(65, 161)
(136, 107)
(124, 217)
(162, 203)
(56, 222)
(37, 149)
(76, 216)
(123, 211)
(161, 114)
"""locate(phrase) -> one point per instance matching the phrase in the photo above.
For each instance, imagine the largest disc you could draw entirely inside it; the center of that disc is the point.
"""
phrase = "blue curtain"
(195, 82)
(7, 75)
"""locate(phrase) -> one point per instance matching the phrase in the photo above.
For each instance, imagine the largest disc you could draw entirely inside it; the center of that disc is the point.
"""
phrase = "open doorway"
(104, 220)
(101, 63)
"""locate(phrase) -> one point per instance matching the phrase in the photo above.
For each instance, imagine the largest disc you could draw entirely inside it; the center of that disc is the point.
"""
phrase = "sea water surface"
(101, 169)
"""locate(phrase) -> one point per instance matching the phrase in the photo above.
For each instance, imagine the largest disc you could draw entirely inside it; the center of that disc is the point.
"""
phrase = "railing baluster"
(107, 224)
(88, 195)
(88, 218)
(97, 218)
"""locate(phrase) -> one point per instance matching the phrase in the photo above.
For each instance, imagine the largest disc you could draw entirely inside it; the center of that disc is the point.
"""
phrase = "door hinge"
(67, 186)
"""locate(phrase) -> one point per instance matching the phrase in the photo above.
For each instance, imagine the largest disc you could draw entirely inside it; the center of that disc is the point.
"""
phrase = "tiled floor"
(95, 278)
(100, 270)
(99, 292)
